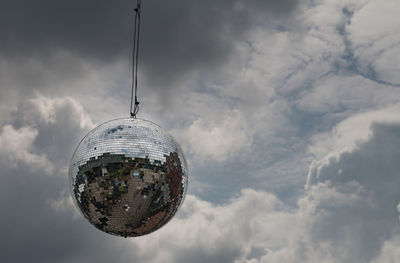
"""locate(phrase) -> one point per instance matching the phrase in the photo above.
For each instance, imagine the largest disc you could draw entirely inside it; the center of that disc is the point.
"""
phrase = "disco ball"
(128, 177)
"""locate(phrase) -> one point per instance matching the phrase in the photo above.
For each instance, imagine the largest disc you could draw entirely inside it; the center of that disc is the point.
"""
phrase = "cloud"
(58, 121)
(64, 204)
(179, 37)
(216, 141)
(67, 109)
(349, 133)
(39, 132)
(337, 93)
(375, 40)
(390, 252)
(227, 233)
(353, 197)
(16, 146)
(65, 74)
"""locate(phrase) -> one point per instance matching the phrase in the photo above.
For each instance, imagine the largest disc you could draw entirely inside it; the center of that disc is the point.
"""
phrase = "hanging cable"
(135, 60)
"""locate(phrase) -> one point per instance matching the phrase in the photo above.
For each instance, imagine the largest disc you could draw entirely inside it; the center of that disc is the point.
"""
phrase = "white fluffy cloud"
(16, 147)
(51, 110)
(40, 132)
(347, 134)
(254, 221)
(217, 141)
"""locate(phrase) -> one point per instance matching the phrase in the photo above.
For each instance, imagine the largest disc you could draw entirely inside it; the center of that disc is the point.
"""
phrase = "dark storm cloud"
(34, 232)
(372, 168)
(178, 36)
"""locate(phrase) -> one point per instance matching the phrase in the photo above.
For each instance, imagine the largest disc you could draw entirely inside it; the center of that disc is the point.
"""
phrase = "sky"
(288, 112)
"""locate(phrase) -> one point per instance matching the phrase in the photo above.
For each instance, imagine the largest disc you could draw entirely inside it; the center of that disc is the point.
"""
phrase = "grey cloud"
(362, 212)
(38, 233)
(34, 232)
(178, 36)
(59, 122)
(374, 41)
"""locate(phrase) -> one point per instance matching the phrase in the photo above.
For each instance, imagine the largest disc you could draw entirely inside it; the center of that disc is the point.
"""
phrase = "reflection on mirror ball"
(128, 177)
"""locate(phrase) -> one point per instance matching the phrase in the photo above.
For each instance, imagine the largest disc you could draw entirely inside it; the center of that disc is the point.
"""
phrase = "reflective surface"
(128, 177)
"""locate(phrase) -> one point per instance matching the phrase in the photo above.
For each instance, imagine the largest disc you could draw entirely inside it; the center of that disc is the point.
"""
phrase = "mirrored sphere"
(128, 177)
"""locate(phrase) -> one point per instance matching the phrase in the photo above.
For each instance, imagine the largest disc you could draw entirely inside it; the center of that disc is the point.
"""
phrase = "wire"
(135, 60)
